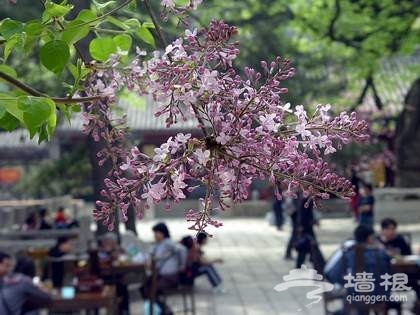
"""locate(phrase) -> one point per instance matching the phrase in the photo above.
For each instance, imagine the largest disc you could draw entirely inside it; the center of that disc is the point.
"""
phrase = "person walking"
(366, 205)
(278, 210)
(306, 239)
(291, 206)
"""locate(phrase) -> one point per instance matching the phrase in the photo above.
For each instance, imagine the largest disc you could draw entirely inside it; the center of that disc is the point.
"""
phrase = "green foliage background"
(335, 45)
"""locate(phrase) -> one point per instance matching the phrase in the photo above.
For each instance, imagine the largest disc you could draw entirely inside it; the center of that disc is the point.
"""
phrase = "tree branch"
(376, 97)
(156, 24)
(362, 95)
(34, 92)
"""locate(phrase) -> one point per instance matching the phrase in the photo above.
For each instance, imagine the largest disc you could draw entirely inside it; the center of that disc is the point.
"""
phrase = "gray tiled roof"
(392, 82)
(138, 117)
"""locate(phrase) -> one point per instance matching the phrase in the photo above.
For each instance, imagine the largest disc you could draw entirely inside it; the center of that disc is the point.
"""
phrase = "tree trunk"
(407, 140)
(130, 225)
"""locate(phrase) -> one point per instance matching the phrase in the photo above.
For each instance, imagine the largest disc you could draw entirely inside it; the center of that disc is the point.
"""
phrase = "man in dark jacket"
(17, 291)
(394, 243)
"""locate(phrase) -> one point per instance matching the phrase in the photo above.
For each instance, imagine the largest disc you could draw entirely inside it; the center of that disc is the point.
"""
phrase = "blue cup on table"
(68, 292)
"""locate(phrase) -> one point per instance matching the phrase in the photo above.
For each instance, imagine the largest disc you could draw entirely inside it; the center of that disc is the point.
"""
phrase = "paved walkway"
(253, 254)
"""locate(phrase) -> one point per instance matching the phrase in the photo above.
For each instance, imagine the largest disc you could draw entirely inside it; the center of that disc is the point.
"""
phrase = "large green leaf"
(10, 27)
(33, 28)
(78, 28)
(36, 112)
(74, 31)
(54, 55)
(101, 48)
(123, 42)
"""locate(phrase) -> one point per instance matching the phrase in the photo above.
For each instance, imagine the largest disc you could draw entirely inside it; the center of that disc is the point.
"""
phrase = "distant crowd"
(41, 220)
(171, 263)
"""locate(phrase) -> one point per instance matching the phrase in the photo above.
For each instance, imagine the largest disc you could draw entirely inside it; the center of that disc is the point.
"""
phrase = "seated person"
(394, 243)
(192, 261)
(108, 249)
(31, 223)
(60, 219)
(60, 249)
(362, 256)
(206, 266)
(169, 260)
(43, 216)
(26, 267)
(18, 295)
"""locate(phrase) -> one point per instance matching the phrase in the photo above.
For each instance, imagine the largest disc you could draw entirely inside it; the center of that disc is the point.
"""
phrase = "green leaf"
(36, 111)
(42, 133)
(8, 70)
(86, 15)
(132, 24)
(132, 6)
(148, 25)
(101, 48)
(9, 122)
(73, 70)
(78, 28)
(2, 111)
(117, 23)
(145, 35)
(10, 104)
(74, 31)
(33, 30)
(104, 5)
(54, 55)
(55, 10)
(76, 108)
(123, 42)
(17, 40)
(10, 27)
(52, 122)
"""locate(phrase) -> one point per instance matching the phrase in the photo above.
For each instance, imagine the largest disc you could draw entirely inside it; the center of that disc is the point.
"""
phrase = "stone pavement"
(254, 264)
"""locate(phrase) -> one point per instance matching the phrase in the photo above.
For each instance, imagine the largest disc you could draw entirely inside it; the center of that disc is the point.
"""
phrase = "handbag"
(302, 242)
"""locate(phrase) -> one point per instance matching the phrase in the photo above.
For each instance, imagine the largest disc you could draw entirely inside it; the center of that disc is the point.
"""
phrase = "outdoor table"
(86, 301)
(126, 273)
(409, 266)
(40, 234)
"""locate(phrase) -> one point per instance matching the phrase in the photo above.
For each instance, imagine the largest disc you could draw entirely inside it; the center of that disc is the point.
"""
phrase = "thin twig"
(34, 92)
(101, 17)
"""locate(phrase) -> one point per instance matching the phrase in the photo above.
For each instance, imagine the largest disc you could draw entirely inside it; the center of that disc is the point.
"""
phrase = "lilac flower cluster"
(248, 131)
